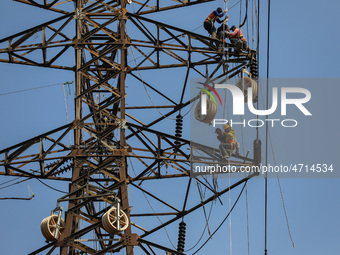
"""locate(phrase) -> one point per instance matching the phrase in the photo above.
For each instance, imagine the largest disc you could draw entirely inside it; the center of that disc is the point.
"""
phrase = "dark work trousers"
(209, 26)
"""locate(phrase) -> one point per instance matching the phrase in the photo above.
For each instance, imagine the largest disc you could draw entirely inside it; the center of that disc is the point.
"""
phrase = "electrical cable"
(199, 240)
(24, 90)
(281, 193)
(15, 183)
(241, 12)
(267, 105)
(222, 220)
(52, 187)
(252, 24)
(10, 181)
(246, 15)
(30, 192)
(235, 4)
(278, 179)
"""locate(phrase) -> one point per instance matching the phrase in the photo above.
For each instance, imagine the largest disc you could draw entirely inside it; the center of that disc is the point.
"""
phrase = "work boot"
(238, 47)
(214, 35)
(225, 156)
(224, 153)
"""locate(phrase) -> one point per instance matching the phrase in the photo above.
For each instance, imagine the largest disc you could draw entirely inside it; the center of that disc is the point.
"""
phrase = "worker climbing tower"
(118, 153)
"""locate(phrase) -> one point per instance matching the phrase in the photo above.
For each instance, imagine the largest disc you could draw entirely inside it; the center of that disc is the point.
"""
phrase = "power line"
(15, 183)
(41, 87)
(30, 192)
(10, 181)
(232, 208)
(267, 105)
(52, 187)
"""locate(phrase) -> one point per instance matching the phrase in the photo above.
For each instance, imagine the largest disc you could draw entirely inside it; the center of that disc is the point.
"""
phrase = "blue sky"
(303, 44)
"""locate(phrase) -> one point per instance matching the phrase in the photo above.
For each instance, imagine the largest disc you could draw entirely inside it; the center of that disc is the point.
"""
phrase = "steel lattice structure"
(98, 167)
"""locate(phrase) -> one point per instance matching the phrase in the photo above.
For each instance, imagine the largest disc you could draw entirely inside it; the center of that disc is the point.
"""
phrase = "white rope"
(277, 177)
(252, 24)
(231, 249)
(68, 122)
(147, 200)
(30, 192)
(146, 90)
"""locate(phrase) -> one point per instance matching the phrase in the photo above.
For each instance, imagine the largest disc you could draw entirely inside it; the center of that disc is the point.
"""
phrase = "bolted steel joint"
(121, 14)
(79, 14)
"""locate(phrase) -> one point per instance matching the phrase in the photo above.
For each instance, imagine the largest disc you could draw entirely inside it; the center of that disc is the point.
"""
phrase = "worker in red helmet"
(237, 39)
(210, 21)
(227, 139)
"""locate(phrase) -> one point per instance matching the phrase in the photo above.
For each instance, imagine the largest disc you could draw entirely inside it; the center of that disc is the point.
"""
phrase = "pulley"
(115, 220)
(211, 111)
(53, 226)
(244, 84)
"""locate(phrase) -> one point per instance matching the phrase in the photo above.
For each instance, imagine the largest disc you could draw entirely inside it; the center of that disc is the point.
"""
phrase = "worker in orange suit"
(210, 21)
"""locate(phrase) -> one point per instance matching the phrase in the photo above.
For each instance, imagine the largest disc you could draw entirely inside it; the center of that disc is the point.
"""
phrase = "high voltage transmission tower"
(117, 153)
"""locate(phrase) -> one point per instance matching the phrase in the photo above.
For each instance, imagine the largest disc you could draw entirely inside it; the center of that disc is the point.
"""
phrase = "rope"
(230, 238)
(281, 193)
(147, 200)
(199, 240)
(30, 192)
(247, 220)
(146, 90)
(222, 221)
(66, 110)
(169, 42)
(247, 211)
(205, 214)
(235, 4)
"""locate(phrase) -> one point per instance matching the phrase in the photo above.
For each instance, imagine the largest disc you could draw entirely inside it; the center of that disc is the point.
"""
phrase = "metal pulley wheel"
(110, 222)
(247, 83)
(49, 227)
(211, 112)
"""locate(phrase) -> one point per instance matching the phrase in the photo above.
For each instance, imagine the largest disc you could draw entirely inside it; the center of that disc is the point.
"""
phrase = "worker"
(227, 139)
(210, 20)
(237, 39)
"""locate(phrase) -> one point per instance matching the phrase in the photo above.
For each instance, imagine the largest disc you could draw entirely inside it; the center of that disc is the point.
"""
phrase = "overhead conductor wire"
(222, 221)
(267, 105)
